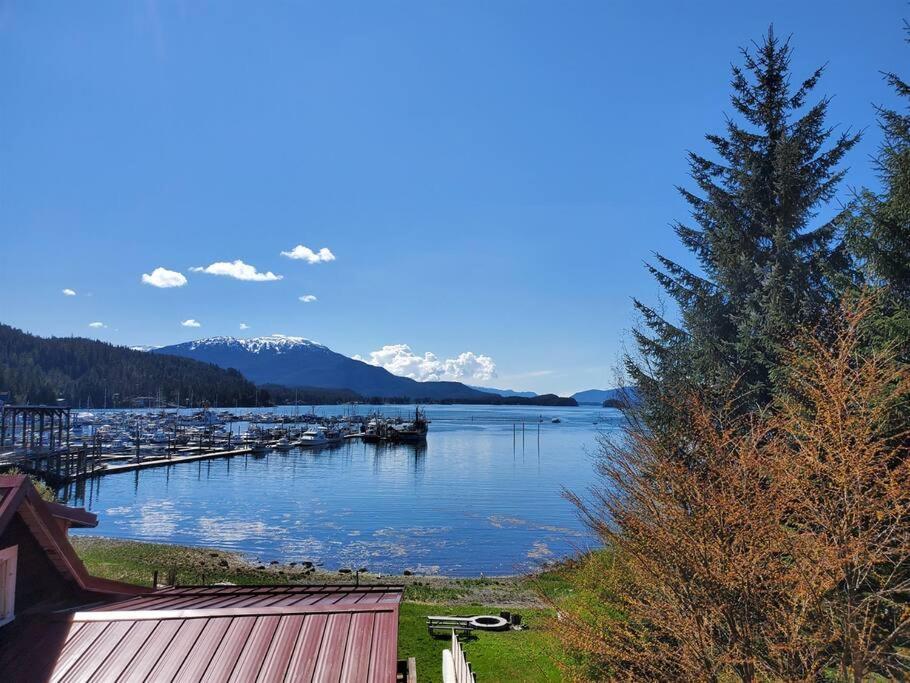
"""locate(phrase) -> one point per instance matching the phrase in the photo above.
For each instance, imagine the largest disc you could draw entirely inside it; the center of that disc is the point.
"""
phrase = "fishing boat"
(409, 432)
(374, 431)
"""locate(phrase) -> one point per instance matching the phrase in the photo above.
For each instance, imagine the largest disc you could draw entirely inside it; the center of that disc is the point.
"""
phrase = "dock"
(165, 461)
(62, 467)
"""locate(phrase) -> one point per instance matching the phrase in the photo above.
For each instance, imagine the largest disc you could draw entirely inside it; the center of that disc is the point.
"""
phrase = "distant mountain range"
(218, 370)
(295, 361)
(598, 396)
(508, 393)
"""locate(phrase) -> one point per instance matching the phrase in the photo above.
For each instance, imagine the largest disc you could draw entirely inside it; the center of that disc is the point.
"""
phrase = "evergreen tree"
(880, 236)
(88, 372)
(767, 263)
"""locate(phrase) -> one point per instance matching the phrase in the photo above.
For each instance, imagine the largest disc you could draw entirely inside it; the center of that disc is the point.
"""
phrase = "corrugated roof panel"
(75, 647)
(225, 658)
(200, 656)
(181, 644)
(264, 633)
(385, 647)
(360, 643)
(281, 649)
(97, 652)
(306, 651)
(155, 645)
(255, 649)
(120, 658)
(331, 653)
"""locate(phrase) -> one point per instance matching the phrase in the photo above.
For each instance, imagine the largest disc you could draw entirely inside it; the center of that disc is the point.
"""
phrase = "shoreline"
(136, 562)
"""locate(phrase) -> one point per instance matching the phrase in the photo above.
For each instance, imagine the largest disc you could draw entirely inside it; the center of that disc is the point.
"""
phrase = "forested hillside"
(87, 372)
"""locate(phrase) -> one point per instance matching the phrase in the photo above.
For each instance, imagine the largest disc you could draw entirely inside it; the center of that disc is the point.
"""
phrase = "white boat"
(312, 437)
(283, 444)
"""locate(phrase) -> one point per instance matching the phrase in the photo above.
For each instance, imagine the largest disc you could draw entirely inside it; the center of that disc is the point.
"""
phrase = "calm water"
(473, 500)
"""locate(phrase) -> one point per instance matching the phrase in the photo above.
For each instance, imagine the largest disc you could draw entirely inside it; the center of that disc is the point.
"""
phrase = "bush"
(771, 546)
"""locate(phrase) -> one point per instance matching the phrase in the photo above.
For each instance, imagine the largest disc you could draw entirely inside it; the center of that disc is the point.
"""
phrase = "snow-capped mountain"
(273, 343)
(300, 362)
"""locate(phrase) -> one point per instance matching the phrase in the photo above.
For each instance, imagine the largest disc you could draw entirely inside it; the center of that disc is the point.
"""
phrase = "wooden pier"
(63, 467)
(164, 461)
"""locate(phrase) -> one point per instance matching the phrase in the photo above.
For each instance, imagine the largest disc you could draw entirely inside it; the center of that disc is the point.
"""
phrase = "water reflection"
(471, 500)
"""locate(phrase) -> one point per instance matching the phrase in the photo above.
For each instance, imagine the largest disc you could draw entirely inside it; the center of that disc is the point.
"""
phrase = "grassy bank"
(526, 655)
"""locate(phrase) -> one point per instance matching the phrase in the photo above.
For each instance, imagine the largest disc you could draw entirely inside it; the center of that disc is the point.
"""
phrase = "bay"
(483, 496)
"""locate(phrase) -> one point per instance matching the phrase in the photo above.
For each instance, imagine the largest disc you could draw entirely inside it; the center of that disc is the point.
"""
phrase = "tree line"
(85, 372)
(755, 512)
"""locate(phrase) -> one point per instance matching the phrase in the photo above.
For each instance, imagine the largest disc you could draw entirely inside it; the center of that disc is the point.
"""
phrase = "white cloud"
(237, 270)
(244, 326)
(307, 298)
(400, 360)
(97, 325)
(164, 278)
(191, 323)
(302, 253)
(69, 292)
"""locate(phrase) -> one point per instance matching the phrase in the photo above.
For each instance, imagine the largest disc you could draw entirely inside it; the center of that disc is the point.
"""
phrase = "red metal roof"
(203, 633)
(217, 633)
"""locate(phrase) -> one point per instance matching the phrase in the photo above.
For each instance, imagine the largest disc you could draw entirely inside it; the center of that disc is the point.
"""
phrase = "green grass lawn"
(526, 655)
(494, 656)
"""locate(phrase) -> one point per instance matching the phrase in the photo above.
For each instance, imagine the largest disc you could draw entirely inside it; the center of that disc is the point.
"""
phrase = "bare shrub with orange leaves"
(758, 547)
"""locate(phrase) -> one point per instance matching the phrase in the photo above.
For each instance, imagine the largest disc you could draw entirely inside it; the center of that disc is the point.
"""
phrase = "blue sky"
(489, 176)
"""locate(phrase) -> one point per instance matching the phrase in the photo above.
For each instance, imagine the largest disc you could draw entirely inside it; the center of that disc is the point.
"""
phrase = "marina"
(487, 477)
(61, 447)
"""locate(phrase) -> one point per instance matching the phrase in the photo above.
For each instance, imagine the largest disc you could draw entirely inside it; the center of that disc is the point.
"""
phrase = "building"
(57, 622)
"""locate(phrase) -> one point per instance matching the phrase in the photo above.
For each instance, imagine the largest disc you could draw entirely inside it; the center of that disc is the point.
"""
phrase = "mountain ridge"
(506, 393)
(297, 361)
(600, 395)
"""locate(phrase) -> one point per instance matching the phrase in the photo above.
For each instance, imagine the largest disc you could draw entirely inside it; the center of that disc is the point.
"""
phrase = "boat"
(374, 432)
(334, 436)
(556, 420)
(409, 432)
(283, 444)
(312, 437)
